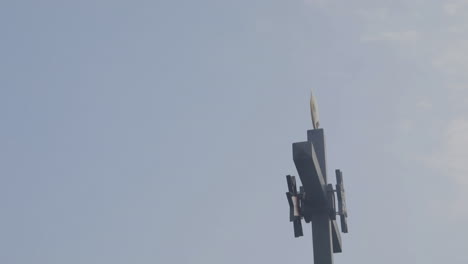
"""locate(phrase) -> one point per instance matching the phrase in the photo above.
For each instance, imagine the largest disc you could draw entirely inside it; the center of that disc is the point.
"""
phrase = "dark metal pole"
(321, 225)
(322, 238)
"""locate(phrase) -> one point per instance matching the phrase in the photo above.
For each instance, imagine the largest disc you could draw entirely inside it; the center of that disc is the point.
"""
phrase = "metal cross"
(315, 201)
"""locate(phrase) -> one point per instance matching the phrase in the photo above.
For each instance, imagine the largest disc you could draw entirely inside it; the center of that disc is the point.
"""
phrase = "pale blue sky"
(161, 131)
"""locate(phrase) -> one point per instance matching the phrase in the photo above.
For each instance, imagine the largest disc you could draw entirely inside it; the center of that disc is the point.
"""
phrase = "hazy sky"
(161, 131)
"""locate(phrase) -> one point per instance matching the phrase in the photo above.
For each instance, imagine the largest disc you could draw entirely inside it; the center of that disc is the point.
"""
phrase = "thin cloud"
(451, 160)
(455, 7)
(315, 2)
(408, 36)
(453, 58)
(424, 104)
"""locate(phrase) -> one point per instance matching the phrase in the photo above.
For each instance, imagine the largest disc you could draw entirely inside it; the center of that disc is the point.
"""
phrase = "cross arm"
(308, 168)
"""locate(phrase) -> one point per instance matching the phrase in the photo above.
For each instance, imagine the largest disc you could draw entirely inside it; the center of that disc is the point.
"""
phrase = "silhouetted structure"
(315, 201)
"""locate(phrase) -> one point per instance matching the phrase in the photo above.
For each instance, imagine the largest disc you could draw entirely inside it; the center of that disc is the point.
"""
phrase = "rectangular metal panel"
(336, 238)
(317, 137)
(309, 171)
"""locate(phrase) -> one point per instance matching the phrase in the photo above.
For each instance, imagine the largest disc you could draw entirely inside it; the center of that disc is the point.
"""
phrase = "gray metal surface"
(309, 171)
(294, 201)
(317, 137)
(321, 238)
(340, 193)
(336, 238)
(310, 160)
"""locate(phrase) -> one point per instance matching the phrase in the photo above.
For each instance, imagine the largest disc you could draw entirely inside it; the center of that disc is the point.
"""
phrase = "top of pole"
(314, 111)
